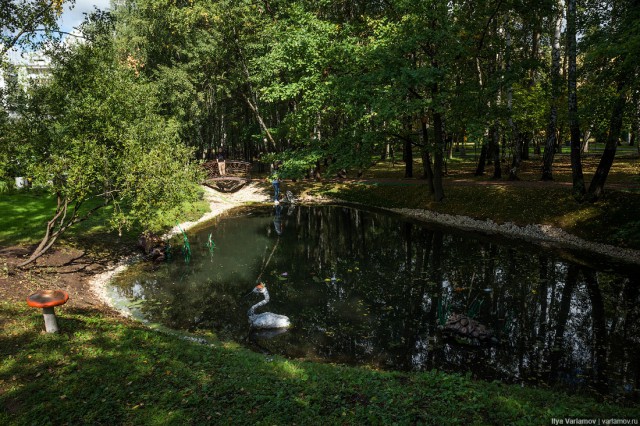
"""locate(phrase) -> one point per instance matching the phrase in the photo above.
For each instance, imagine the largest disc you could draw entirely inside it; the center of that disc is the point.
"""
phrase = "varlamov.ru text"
(577, 421)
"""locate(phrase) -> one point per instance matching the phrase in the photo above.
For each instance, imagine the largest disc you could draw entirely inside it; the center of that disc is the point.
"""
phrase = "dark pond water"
(372, 288)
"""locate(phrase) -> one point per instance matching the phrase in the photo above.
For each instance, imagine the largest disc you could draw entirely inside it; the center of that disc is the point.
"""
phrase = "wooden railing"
(237, 173)
(233, 168)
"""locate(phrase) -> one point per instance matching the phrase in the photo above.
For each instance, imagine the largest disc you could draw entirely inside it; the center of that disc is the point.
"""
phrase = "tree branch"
(486, 27)
(27, 28)
(50, 238)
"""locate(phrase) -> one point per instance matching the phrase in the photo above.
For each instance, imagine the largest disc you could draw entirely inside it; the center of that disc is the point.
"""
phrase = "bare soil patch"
(61, 268)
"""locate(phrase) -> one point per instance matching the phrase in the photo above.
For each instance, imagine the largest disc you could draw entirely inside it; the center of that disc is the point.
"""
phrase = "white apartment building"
(24, 70)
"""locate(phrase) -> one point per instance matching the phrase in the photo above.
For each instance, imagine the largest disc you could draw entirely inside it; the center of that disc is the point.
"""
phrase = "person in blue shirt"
(275, 181)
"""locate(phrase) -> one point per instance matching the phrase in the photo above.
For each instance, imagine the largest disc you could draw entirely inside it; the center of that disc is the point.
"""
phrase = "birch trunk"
(551, 137)
(574, 123)
(438, 189)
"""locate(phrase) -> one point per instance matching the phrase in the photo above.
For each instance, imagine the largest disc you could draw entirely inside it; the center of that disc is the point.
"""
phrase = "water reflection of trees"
(367, 288)
(557, 322)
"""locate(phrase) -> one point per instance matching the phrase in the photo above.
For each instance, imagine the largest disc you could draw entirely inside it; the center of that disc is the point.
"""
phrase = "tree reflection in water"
(363, 287)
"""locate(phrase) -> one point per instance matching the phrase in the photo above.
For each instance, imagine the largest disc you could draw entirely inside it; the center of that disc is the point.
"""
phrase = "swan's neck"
(252, 309)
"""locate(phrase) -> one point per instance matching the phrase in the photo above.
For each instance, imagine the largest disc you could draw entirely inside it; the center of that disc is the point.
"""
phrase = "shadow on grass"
(24, 216)
(102, 370)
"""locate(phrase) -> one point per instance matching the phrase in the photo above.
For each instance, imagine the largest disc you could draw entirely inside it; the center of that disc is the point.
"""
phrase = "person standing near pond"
(275, 181)
(221, 165)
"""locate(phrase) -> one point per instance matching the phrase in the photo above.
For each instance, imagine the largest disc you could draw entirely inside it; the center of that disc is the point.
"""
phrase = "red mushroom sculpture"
(47, 300)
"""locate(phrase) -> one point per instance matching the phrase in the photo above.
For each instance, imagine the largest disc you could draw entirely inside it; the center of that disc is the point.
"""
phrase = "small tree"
(100, 140)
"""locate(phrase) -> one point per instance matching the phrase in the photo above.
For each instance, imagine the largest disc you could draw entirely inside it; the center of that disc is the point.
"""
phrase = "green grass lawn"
(24, 216)
(103, 370)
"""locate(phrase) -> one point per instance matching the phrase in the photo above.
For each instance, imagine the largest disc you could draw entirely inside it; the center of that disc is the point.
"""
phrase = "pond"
(373, 288)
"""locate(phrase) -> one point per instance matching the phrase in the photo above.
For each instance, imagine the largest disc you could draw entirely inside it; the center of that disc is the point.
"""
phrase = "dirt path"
(61, 268)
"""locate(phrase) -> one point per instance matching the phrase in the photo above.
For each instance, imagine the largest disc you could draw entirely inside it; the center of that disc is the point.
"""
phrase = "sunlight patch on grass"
(576, 217)
(23, 216)
(8, 364)
(293, 371)
(231, 345)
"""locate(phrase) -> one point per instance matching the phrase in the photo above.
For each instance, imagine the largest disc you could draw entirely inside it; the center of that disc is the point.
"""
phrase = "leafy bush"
(294, 165)
(187, 211)
(4, 186)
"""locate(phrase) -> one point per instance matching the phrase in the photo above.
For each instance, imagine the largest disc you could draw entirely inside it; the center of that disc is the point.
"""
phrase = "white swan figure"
(266, 319)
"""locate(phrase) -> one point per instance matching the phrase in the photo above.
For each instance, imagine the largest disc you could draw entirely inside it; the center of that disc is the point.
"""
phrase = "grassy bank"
(24, 216)
(106, 370)
(611, 220)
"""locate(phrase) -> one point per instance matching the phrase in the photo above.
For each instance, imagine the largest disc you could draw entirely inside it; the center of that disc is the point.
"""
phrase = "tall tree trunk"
(517, 142)
(543, 286)
(551, 137)
(596, 188)
(635, 119)
(526, 142)
(535, 50)
(438, 190)
(254, 107)
(599, 332)
(585, 140)
(385, 152)
(516, 161)
(252, 100)
(426, 157)
(408, 158)
(529, 135)
(495, 138)
(563, 317)
(482, 160)
(574, 124)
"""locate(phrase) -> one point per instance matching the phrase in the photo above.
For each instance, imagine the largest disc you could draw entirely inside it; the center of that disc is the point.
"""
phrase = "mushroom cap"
(47, 298)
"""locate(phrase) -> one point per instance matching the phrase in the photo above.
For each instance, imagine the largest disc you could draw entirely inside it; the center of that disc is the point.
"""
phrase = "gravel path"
(533, 233)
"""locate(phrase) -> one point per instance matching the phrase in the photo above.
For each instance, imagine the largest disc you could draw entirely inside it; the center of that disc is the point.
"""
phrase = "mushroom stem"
(50, 323)
(47, 299)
